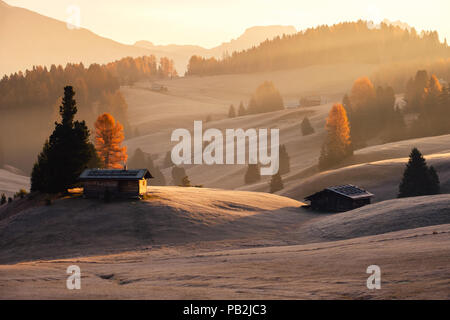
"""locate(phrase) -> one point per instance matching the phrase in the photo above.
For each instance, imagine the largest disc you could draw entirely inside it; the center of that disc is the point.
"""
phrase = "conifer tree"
(306, 127)
(241, 110)
(285, 166)
(337, 145)
(276, 183)
(168, 160)
(252, 174)
(108, 142)
(65, 154)
(418, 179)
(231, 112)
(178, 173)
(3, 199)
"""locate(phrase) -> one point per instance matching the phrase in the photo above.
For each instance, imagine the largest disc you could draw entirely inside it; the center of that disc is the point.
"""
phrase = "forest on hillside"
(29, 100)
(353, 42)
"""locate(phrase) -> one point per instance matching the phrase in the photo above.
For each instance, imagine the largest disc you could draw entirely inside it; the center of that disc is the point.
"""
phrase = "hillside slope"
(172, 215)
(381, 178)
(383, 217)
(28, 38)
(12, 180)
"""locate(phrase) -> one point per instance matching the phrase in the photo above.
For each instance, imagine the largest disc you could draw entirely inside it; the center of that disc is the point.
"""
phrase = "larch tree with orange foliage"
(108, 142)
(363, 92)
(337, 145)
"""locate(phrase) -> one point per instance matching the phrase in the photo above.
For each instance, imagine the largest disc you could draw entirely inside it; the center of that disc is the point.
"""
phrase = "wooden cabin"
(339, 198)
(99, 183)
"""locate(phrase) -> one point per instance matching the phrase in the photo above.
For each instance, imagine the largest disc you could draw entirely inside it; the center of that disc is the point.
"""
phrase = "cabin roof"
(347, 190)
(115, 174)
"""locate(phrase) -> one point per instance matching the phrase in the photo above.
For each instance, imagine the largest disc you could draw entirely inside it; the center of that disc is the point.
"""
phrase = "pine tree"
(434, 187)
(337, 144)
(418, 179)
(65, 154)
(138, 160)
(241, 110)
(276, 183)
(285, 166)
(231, 112)
(178, 173)
(168, 160)
(2, 199)
(158, 177)
(306, 127)
(252, 174)
(108, 142)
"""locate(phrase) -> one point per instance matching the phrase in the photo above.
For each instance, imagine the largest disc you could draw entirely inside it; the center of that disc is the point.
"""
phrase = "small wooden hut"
(100, 183)
(339, 198)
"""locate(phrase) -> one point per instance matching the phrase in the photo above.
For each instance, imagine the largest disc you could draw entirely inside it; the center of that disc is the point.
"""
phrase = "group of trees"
(266, 98)
(252, 174)
(32, 97)
(130, 70)
(241, 111)
(68, 150)
(344, 42)
(425, 96)
(372, 112)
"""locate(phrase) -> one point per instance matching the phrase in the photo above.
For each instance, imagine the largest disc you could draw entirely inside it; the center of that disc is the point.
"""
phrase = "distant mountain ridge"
(28, 38)
(252, 36)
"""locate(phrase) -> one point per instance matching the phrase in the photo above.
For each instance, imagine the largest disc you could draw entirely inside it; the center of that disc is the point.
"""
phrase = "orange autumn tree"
(337, 145)
(108, 142)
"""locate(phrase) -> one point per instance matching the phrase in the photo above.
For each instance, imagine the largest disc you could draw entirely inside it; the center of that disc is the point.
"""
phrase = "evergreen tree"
(66, 153)
(178, 173)
(276, 183)
(138, 160)
(241, 110)
(252, 174)
(2, 199)
(231, 112)
(158, 177)
(337, 144)
(168, 160)
(285, 166)
(95, 161)
(306, 127)
(418, 179)
(142, 160)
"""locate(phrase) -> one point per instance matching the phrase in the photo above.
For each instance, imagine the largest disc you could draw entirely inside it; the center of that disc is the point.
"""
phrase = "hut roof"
(348, 190)
(115, 174)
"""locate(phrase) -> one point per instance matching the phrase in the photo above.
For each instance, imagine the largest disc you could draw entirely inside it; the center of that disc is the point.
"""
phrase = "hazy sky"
(211, 22)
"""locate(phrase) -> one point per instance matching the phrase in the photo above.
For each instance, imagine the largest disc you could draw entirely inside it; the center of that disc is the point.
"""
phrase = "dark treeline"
(29, 100)
(340, 43)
